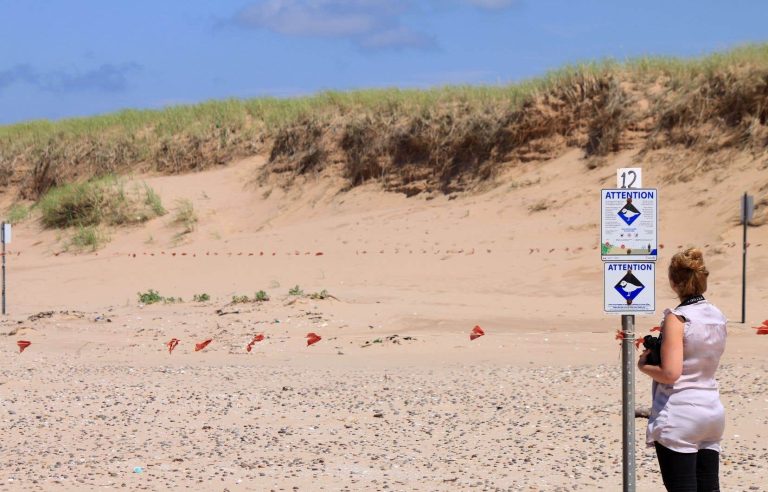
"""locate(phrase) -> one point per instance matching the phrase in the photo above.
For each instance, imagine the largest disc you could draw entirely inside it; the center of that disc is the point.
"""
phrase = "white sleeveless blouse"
(687, 415)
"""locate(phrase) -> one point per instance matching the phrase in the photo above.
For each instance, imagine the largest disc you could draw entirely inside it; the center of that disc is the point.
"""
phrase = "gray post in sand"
(628, 400)
(747, 210)
(3, 240)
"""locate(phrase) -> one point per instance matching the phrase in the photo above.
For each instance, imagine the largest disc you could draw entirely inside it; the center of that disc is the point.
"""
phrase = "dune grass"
(185, 216)
(276, 112)
(88, 238)
(409, 125)
(104, 200)
(17, 213)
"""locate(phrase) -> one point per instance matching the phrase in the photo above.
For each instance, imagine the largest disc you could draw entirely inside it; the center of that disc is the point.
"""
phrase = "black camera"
(653, 344)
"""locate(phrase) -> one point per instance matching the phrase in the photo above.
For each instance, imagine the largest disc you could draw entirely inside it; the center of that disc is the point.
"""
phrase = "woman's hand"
(671, 366)
(641, 361)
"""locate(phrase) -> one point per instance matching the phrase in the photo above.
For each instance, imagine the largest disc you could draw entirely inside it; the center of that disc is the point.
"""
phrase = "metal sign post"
(628, 400)
(629, 249)
(747, 210)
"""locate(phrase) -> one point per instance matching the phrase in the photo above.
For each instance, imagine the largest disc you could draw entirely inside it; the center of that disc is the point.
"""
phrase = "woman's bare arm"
(671, 366)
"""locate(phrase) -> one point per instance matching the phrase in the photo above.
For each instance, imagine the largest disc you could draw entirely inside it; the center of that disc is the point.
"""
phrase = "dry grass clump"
(722, 109)
(185, 216)
(453, 144)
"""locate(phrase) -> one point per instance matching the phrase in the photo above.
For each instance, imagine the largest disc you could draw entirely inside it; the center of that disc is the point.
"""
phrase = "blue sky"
(81, 57)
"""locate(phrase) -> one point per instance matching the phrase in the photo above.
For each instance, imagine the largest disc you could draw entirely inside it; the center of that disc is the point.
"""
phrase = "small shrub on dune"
(153, 297)
(152, 200)
(241, 299)
(99, 201)
(150, 297)
(88, 238)
(323, 294)
(17, 213)
(76, 204)
(296, 291)
(185, 215)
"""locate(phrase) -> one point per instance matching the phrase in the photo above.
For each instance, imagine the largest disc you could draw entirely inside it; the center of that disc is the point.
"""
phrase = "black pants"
(689, 472)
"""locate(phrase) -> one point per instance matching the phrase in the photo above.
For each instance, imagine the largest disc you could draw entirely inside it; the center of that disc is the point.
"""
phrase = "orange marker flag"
(259, 337)
(476, 332)
(172, 344)
(655, 328)
(313, 338)
(200, 346)
(23, 344)
(762, 330)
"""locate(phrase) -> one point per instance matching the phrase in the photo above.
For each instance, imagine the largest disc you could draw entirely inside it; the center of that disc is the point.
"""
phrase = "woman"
(687, 419)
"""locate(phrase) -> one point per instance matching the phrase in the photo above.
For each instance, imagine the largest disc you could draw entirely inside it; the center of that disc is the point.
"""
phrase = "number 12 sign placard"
(629, 177)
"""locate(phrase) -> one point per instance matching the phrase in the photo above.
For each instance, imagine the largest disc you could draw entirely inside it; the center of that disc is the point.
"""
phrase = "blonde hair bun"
(692, 259)
(688, 272)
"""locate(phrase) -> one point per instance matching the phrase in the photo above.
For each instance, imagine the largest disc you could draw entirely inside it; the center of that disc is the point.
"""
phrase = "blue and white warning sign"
(629, 224)
(630, 287)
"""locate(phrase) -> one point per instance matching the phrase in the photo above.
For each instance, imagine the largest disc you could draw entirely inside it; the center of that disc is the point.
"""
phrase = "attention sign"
(629, 222)
(629, 287)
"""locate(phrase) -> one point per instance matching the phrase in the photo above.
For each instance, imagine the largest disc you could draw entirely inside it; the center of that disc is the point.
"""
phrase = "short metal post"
(745, 221)
(2, 238)
(628, 399)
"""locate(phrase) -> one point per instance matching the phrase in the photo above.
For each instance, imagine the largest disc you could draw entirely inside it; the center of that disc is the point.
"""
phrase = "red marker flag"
(172, 344)
(259, 337)
(313, 338)
(200, 346)
(762, 330)
(476, 332)
(23, 344)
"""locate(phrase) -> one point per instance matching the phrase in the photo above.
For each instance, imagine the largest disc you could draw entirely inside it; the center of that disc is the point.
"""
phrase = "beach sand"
(395, 396)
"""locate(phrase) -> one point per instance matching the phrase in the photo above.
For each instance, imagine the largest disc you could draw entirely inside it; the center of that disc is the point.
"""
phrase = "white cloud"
(370, 24)
(105, 78)
(492, 4)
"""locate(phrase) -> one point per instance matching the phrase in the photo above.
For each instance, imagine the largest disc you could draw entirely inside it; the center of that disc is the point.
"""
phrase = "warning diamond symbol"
(629, 287)
(629, 213)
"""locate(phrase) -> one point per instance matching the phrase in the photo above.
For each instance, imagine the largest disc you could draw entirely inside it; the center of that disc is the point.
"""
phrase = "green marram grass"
(150, 297)
(296, 291)
(270, 113)
(17, 213)
(88, 238)
(104, 200)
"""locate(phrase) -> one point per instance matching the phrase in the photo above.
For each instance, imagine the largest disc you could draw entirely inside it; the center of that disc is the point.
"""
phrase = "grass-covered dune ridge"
(413, 140)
